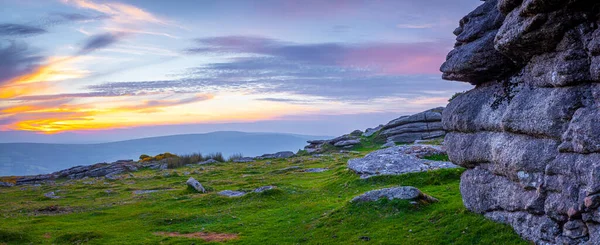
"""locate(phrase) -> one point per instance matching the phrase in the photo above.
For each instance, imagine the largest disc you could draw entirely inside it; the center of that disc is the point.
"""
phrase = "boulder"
(420, 126)
(528, 132)
(393, 193)
(347, 143)
(398, 160)
(191, 182)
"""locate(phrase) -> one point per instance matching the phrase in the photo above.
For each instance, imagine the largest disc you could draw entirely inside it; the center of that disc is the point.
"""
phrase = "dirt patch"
(53, 209)
(209, 237)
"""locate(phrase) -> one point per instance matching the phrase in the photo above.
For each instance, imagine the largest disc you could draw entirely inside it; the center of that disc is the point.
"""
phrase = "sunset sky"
(301, 66)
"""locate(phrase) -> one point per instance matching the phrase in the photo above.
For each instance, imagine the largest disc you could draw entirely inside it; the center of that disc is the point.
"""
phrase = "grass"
(438, 157)
(306, 208)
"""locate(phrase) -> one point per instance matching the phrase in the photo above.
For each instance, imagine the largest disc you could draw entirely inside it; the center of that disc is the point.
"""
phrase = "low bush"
(217, 156)
(234, 157)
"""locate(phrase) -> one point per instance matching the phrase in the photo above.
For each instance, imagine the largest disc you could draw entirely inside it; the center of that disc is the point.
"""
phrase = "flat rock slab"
(141, 192)
(400, 192)
(398, 160)
(264, 188)
(316, 170)
(230, 193)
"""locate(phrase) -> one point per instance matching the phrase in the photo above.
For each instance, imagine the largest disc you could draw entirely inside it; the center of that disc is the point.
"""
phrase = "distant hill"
(38, 158)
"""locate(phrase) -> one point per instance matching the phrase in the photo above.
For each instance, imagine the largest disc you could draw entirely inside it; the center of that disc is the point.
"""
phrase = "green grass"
(306, 208)
(437, 157)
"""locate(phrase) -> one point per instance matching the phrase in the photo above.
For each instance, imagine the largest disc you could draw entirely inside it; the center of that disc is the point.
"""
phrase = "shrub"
(217, 156)
(144, 156)
(235, 156)
(456, 95)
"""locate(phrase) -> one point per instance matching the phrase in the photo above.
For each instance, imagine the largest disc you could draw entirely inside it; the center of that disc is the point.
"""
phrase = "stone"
(278, 155)
(51, 195)
(264, 188)
(393, 193)
(398, 160)
(420, 126)
(244, 160)
(347, 143)
(229, 193)
(141, 192)
(193, 183)
(388, 144)
(315, 170)
(528, 131)
(6, 184)
(209, 161)
(370, 131)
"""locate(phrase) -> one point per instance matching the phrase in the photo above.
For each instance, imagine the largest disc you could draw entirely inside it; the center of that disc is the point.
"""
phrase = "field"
(306, 208)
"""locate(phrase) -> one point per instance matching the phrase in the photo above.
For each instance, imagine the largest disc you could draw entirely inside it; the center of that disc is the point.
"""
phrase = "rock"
(528, 132)
(141, 192)
(279, 155)
(398, 160)
(229, 193)
(209, 161)
(356, 133)
(316, 170)
(244, 160)
(264, 188)
(6, 184)
(388, 144)
(51, 195)
(400, 192)
(370, 131)
(347, 143)
(191, 182)
(420, 126)
(285, 170)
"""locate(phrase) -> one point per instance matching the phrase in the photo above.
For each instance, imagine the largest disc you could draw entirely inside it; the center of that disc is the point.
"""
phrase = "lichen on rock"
(528, 132)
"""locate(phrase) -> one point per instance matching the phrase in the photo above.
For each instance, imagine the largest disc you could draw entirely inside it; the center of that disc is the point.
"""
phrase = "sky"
(127, 69)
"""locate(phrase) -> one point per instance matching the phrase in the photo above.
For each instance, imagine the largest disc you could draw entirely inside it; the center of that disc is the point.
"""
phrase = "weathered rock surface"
(398, 160)
(420, 126)
(264, 188)
(6, 184)
(51, 195)
(244, 159)
(392, 193)
(315, 170)
(108, 170)
(230, 193)
(191, 182)
(281, 154)
(209, 161)
(529, 131)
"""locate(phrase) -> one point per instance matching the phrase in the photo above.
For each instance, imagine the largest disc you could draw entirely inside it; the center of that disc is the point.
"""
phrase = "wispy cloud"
(415, 26)
(18, 30)
(100, 41)
(120, 12)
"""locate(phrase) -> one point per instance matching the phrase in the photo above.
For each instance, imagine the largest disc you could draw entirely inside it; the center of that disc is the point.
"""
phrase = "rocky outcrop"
(420, 126)
(528, 132)
(398, 160)
(346, 141)
(279, 155)
(108, 170)
(393, 193)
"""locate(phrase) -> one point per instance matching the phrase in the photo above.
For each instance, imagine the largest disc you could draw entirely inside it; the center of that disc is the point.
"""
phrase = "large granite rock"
(420, 126)
(398, 160)
(529, 131)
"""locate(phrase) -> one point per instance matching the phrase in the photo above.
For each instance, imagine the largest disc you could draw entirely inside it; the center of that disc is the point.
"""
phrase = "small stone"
(400, 192)
(191, 182)
(264, 188)
(51, 195)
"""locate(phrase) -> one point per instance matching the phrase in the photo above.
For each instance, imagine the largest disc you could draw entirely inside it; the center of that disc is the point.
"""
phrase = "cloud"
(76, 17)
(414, 26)
(120, 12)
(100, 41)
(16, 59)
(390, 58)
(18, 30)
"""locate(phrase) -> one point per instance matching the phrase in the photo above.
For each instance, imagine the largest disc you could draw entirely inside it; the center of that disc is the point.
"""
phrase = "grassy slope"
(307, 208)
